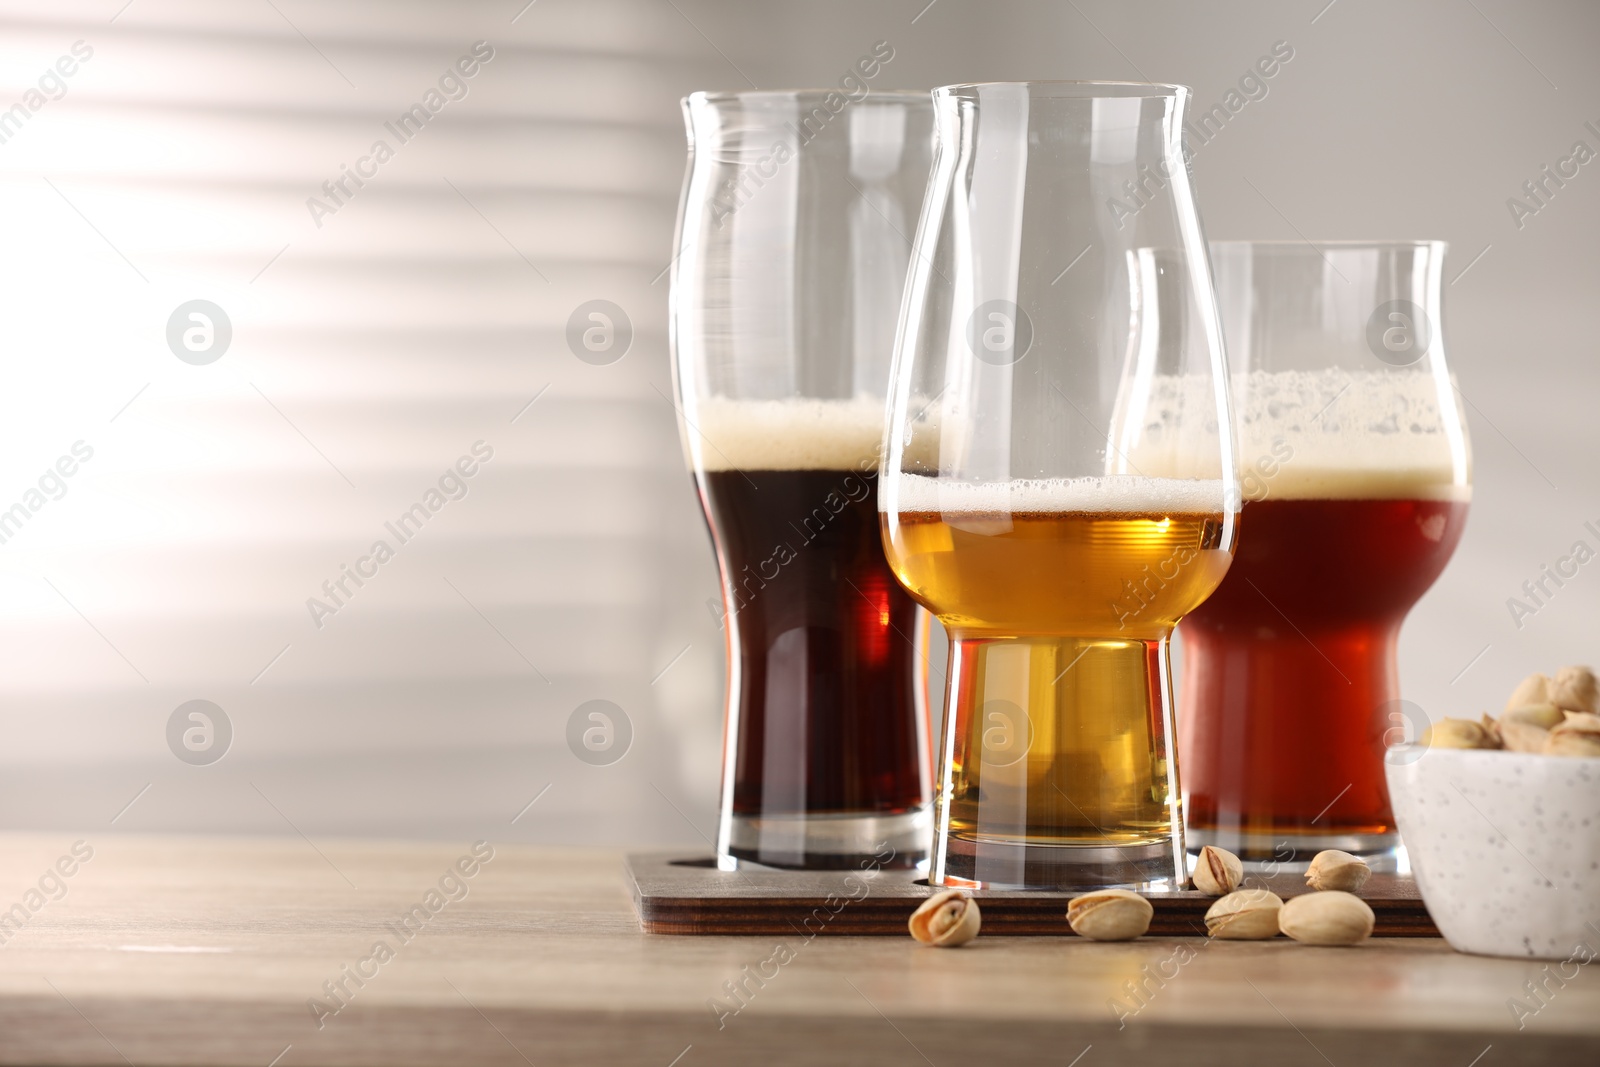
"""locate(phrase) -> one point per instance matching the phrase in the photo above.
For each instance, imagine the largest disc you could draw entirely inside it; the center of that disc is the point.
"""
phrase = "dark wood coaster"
(675, 893)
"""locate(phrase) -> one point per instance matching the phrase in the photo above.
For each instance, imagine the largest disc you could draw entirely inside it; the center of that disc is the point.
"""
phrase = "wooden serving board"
(675, 893)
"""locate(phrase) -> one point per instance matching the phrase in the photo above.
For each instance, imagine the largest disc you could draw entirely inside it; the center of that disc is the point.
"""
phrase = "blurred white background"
(370, 352)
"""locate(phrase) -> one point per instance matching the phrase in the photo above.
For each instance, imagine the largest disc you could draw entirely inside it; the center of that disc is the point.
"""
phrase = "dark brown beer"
(1289, 670)
(823, 672)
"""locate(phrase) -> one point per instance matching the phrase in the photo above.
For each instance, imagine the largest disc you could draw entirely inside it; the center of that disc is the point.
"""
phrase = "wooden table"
(207, 951)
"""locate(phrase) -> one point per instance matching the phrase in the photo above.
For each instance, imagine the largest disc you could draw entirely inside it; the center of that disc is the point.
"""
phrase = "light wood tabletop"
(129, 950)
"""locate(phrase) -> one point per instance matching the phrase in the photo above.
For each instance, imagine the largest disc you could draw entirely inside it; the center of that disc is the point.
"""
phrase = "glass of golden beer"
(792, 252)
(1059, 483)
(1356, 475)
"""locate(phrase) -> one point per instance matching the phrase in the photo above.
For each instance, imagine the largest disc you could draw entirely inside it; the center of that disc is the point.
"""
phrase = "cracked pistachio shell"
(1217, 871)
(1574, 689)
(1491, 727)
(946, 920)
(1534, 689)
(1109, 915)
(1333, 869)
(1244, 915)
(1326, 918)
(1579, 735)
(1457, 733)
(1541, 715)
(1526, 728)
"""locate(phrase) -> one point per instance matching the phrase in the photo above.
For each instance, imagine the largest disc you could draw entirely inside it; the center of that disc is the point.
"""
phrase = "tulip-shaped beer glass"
(792, 256)
(1059, 484)
(1356, 478)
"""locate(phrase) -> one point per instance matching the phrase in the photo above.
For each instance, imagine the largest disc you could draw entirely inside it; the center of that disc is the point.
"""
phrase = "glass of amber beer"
(792, 251)
(1356, 474)
(1059, 482)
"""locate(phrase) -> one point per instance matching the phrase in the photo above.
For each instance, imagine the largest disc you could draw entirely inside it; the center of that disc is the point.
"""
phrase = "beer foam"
(1314, 435)
(1122, 494)
(1340, 435)
(797, 434)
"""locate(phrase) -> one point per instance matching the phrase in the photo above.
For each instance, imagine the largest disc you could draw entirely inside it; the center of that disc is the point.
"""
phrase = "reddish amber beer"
(1357, 477)
(1290, 667)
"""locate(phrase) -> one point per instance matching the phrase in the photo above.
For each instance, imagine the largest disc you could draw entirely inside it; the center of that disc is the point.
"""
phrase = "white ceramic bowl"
(1505, 847)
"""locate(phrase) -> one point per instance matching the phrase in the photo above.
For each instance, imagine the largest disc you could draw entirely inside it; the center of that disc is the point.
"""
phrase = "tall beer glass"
(1059, 484)
(792, 251)
(1356, 476)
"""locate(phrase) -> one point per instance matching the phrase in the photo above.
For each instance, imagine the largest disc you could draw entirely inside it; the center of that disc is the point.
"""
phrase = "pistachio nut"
(1523, 737)
(1326, 918)
(1244, 915)
(1579, 735)
(1457, 733)
(946, 919)
(1543, 716)
(1574, 689)
(1109, 915)
(1332, 869)
(1524, 728)
(1534, 689)
(1492, 729)
(1217, 871)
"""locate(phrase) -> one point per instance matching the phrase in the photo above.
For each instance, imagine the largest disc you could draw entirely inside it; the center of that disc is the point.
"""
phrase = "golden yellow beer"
(1059, 622)
(1088, 574)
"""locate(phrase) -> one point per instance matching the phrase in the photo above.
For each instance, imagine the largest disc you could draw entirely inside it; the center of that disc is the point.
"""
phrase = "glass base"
(1056, 767)
(1292, 853)
(1008, 865)
(828, 842)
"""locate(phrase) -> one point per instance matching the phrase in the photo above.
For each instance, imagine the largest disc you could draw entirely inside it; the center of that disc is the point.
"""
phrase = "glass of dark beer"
(1059, 474)
(1356, 476)
(793, 241)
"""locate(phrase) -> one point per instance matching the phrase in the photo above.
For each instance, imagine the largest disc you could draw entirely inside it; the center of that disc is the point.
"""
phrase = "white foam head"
(798, 434)
(1309, 435)
(1335, 434)
(1317, 435)
(1112, 494)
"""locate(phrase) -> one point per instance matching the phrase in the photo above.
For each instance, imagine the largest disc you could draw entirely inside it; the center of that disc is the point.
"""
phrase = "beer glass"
(1356, 472)
(793, 239)
(1059, 484)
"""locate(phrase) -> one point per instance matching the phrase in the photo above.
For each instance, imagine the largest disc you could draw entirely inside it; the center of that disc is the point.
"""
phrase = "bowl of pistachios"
(1501, 819)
